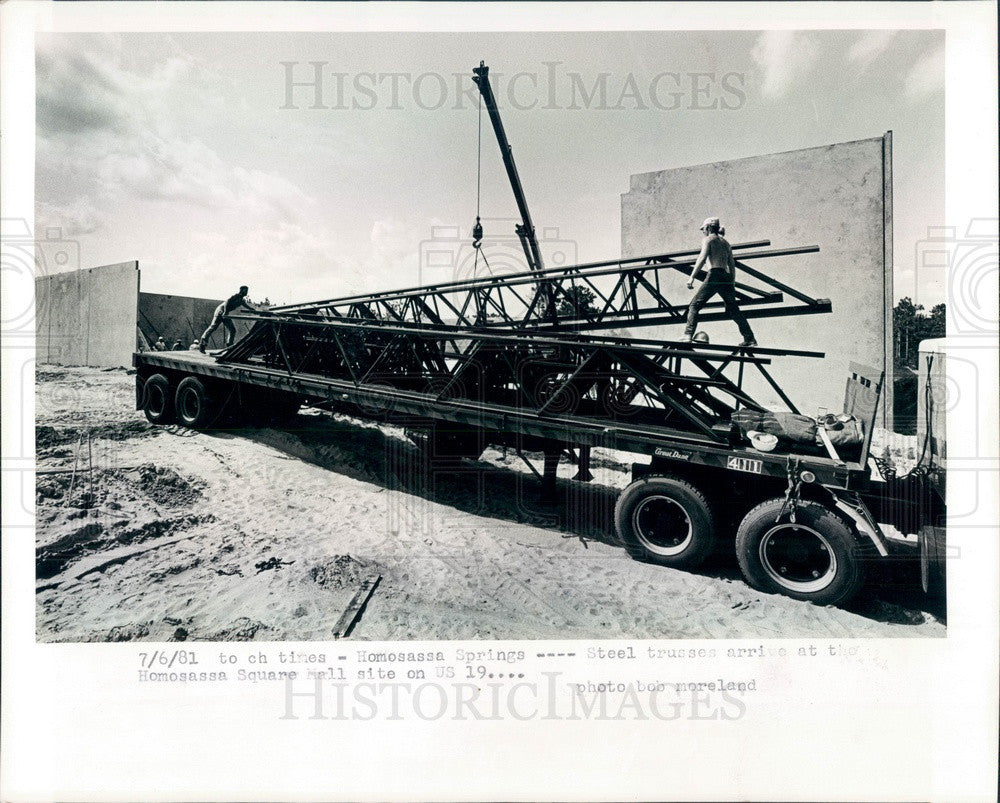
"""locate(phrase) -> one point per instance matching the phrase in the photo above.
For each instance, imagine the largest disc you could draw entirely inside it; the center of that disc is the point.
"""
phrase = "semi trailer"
(520, 361)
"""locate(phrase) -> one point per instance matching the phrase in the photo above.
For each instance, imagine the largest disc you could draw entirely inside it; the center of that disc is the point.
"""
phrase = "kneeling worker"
(221, 316)
(716, 251)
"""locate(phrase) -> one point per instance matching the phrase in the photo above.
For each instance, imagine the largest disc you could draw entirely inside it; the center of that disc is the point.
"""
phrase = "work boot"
(688, 338)
(748, 342)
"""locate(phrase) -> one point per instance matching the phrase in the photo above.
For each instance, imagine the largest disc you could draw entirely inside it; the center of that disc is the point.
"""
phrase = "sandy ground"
(154, 533)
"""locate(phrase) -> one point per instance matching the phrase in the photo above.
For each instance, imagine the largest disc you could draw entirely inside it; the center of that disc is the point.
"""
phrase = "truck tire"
(933, 577)
(816, 559)
(665, 520)
(193, 405)
(157, 400)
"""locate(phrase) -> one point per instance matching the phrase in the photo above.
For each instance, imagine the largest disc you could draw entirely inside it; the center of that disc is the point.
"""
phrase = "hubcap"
(798, 558)
(662, 525)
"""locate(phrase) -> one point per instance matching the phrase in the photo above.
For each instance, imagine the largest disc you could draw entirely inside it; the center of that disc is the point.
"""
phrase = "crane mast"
(525, 229)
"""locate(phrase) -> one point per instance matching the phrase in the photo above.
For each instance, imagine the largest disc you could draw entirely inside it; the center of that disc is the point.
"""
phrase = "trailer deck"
(414, 408)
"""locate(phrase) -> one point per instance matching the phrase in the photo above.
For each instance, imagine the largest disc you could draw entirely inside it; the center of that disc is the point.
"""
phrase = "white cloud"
(784, 57)
(112, 141)
(926, 77)
(77, 218)
(868, 47)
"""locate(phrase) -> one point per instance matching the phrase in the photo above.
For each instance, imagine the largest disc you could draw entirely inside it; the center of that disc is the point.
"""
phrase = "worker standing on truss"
(715, 250)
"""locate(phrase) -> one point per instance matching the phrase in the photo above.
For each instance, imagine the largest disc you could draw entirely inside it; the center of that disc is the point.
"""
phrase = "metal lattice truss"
(669, 388)
(625, 293)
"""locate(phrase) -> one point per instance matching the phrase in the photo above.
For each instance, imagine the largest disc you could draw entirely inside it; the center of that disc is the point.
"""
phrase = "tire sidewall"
(193, 390)
(690, 500)
(158, 386)
(849, 576)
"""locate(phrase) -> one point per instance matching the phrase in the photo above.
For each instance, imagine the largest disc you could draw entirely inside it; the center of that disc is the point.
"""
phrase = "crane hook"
(477, 234)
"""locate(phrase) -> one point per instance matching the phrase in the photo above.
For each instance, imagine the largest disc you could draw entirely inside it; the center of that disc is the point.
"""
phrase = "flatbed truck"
(806, 525)
(514, 360)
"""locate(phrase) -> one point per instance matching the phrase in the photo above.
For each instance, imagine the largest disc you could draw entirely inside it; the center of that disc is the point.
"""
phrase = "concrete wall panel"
(94, 316)
(837, 197)
(181, 317)
(87, 317)
(111, 305)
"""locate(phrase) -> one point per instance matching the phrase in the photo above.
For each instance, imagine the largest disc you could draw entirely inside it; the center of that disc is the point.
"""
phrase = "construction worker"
(178, 346)
(716, 251)
(221, 316)
(160, 344)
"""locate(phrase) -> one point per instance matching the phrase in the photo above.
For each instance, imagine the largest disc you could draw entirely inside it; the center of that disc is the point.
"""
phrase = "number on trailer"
(745, 464)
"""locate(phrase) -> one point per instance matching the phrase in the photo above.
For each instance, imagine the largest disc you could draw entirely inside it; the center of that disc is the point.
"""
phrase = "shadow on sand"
(582, 511)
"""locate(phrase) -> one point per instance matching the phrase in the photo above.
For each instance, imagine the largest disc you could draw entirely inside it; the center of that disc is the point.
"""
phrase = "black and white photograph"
(501, 357)
(510, 416)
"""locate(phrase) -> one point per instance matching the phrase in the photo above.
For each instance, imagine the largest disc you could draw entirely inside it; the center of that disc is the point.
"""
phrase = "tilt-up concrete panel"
(838, 197)
(87, 317)
(182, 318)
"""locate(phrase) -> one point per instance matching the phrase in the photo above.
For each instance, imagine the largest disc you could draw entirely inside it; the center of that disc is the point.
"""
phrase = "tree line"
(911, 324)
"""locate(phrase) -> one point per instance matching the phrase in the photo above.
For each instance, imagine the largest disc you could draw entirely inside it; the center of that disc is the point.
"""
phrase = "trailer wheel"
(816, 559)
(932, 556)
(665, 520)
(194, 407)
(157, 400)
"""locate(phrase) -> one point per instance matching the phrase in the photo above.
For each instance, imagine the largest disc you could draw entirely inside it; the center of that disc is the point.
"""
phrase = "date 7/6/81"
(167, 658)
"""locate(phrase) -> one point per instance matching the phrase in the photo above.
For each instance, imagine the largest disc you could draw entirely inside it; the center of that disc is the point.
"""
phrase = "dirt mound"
(129, 632)
(49, 375)
(47, 437)
(164, 485)
(342, 571)
(161, 486)
(95, 536)
(243, 629)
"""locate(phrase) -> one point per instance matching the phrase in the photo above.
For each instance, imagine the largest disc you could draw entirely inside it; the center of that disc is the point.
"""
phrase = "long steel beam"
(526, 276)
(630, 293)
(676, 385)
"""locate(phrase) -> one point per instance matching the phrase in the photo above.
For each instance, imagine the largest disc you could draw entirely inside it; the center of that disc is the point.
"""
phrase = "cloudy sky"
(192, 153)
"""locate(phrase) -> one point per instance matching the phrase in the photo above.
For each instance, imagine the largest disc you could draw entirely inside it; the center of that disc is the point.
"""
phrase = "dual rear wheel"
(194, 403)
(817, 558)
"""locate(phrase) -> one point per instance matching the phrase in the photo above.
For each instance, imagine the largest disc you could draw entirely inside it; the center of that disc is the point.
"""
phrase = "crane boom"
(526, 229)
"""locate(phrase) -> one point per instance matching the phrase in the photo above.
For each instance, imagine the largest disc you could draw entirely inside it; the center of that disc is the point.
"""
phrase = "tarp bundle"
(843, 430)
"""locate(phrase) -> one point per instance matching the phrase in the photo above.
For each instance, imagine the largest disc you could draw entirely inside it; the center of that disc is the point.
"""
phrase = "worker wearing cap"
(718, 254)
(221, 316)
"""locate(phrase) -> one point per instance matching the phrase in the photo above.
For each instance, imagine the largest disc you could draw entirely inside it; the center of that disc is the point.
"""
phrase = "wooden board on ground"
(353, 611)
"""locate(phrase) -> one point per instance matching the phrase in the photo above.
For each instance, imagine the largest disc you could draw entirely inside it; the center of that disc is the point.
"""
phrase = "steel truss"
(627, 293)
(671, 387)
